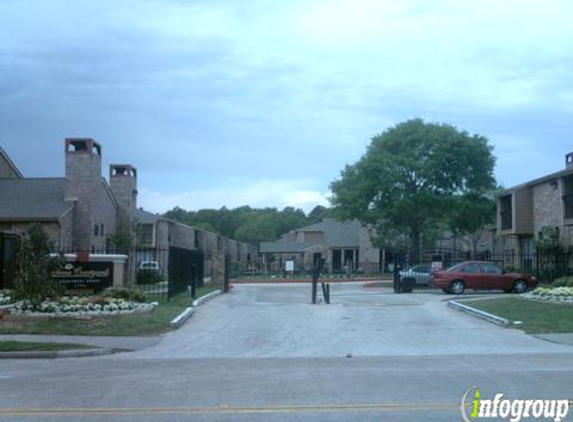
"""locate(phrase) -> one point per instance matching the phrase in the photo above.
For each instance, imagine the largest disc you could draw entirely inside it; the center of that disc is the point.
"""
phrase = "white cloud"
(264, 193)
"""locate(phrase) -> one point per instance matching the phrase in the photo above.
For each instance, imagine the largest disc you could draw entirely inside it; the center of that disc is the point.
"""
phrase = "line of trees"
(251, 225)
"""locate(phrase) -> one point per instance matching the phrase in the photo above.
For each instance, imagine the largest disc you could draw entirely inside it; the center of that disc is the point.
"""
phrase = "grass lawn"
(25, 346)
(537, 317)
(146, 324)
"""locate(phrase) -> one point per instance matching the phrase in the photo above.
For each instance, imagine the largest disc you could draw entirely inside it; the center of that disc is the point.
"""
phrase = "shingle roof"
(342, 234)
(146, 217)
(337, 234)
(32, 199)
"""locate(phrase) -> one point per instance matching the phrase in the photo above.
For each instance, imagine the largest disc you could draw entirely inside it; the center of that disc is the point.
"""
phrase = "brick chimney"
(123, 183)
(569, 160)
(83, 174)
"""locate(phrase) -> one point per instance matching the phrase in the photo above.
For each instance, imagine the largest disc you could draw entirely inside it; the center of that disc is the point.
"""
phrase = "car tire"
(457, 287)
(519, 286)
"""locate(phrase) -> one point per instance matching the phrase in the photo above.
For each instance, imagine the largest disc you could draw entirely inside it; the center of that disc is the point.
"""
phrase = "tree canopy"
(246, 224)
(417, 176)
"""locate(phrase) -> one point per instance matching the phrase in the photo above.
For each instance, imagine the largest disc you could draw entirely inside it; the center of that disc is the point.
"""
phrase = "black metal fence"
(8, 248)
(164, 273)
(415, 268)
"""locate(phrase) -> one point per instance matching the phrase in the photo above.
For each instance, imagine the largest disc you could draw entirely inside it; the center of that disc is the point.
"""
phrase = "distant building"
(346, 246)
(156, 234)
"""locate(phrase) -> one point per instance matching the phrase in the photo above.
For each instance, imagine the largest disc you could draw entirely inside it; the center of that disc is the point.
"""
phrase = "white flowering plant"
(77, 305)
(5, 297)
(550, 294)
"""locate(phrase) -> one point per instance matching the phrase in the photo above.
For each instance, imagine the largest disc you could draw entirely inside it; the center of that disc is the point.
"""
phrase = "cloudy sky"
(263, 102)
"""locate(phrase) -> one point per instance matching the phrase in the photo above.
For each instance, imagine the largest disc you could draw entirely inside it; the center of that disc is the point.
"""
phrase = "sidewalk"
(106, 342)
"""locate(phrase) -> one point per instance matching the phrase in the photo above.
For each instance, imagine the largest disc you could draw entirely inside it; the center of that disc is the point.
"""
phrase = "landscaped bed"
(85, 306)
(112, 324)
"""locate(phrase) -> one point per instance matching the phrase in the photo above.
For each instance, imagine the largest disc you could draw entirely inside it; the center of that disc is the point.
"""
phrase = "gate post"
(397, 276)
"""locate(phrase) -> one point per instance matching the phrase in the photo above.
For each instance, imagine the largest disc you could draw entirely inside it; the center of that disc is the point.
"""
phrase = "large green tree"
(412, 178)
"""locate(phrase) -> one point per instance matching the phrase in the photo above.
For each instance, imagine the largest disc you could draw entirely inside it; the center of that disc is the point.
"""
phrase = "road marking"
(224, 409)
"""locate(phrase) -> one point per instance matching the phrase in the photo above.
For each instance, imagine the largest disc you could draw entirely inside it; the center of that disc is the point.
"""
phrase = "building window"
(568, 197)
(505, 212)
(96, 230)
(101, 229)
(146, 234)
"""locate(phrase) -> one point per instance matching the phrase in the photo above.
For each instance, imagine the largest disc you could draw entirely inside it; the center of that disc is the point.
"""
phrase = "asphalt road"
(412, 360)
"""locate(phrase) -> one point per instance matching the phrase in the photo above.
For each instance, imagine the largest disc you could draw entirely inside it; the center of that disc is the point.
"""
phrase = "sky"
(263, 103)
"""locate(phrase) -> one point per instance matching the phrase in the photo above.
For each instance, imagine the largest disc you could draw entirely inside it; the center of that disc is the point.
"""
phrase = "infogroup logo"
(474, 407)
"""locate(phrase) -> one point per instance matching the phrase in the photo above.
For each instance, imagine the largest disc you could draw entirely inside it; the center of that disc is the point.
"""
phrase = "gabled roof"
(4, 155)
(33, 199)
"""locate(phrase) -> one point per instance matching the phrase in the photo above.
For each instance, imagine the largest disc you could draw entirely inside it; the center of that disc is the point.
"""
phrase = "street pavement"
(263, 353)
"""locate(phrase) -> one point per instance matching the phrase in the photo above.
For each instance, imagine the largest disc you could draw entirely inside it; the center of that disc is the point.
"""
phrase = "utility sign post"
(318, 267)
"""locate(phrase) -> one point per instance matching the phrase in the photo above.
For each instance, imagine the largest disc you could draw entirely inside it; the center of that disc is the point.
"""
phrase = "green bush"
(34, 267)
(563, 282)
(128, 293)
(147, 277)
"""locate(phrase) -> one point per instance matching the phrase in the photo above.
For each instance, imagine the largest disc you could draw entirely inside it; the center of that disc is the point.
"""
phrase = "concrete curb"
(80, 353)
(494, 319)
(206, 298)
(182, 317)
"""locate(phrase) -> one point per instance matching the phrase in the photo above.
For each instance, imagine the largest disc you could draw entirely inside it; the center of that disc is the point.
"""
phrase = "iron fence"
(416, 266)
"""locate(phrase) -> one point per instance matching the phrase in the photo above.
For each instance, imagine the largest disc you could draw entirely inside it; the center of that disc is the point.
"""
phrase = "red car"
(478, 275)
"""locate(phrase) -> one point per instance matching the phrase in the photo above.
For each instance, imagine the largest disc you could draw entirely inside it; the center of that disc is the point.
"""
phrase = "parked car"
(478, 275)
(149, 266)
(418, 274)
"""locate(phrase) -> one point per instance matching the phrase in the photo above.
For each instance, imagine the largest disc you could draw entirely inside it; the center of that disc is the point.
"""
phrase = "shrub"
(147, 277)
(34, 266)
(128, 293)
(563, 282)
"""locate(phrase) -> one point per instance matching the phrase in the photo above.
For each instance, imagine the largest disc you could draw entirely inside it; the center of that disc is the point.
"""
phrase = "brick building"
(523, 210)
(82, 211)
(78, 211)
(346, 246)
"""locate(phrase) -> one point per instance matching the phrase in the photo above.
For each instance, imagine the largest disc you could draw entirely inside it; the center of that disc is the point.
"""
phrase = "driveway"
(279, 321)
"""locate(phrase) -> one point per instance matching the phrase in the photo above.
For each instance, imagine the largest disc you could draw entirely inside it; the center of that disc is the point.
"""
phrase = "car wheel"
(457, 287)
(519, 286)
